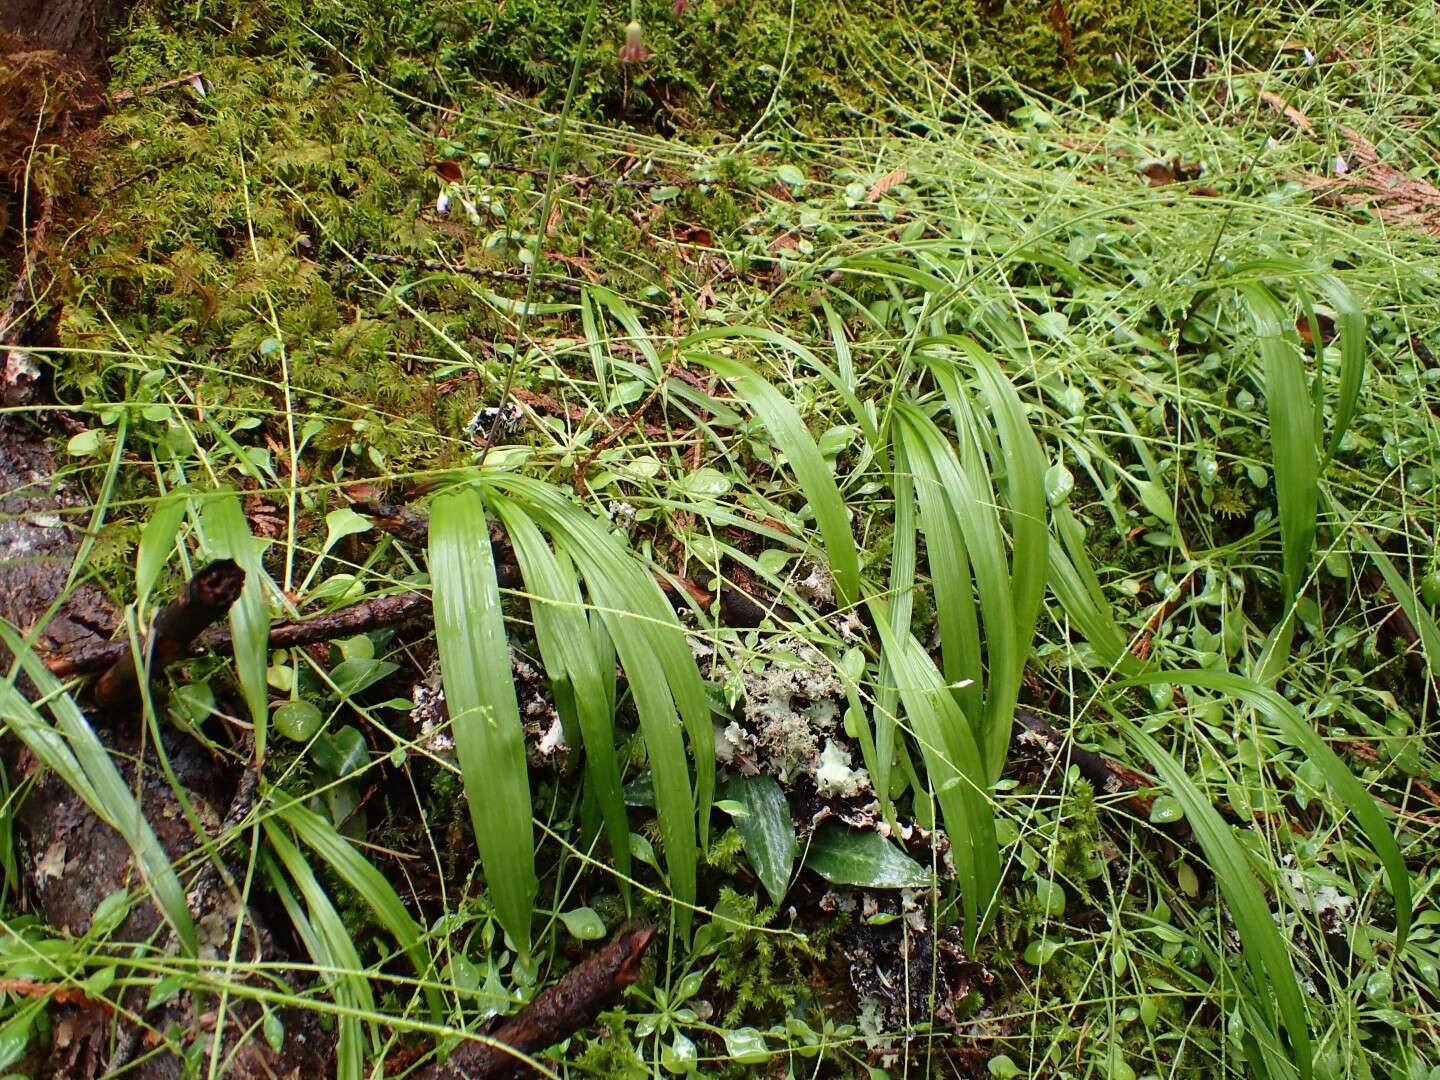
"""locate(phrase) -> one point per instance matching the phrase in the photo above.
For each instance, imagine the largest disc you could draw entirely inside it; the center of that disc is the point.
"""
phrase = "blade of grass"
(1023, 466)
(1294, 454)
(900, 605)
(369, 884)
(157, 540)
(227, 535)
(973, 515)
(568, 649)
(78, 756)
(1073, 581)
(946, 556)
(1264, 951)
(330, 946)
(956, 768)
(811, 472)
(1406, 596)
(662, 676)
(1292, 728)
(480, 695)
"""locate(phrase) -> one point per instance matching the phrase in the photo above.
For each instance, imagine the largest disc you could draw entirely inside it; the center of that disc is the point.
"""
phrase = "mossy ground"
(221, 299)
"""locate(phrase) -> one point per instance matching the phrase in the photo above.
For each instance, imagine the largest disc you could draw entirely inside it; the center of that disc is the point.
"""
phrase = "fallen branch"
(205, 601)
(556, 1014)
(357, 619)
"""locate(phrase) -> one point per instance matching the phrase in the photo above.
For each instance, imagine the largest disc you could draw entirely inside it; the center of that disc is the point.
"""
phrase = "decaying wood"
(74, 29)
(356, 619)
(205, 601)
(1370, 183)
(555, 1014)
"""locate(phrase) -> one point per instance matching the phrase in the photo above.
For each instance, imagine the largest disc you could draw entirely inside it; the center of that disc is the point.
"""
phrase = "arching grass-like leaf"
(900, 603)
(663, 678)
(1291, 727)
(1265, 953)
(1351, 326)
(330, 946)
(1010, 603)
(568, 648)
(73, 750)
(317, 834)
(227, 535)
(1294, 452)
(811, 473)
(480, 696)
(956, 771)
(157, 539)
(1073, 581)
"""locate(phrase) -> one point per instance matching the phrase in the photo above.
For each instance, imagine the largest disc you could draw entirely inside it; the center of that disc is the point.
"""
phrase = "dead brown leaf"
(1160, 173)
(1294, 115)
(687, 233)
(1323, 321)
(885, 183)
(449, 171)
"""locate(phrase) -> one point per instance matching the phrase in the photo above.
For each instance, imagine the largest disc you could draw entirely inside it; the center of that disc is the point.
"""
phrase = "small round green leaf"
(1041, 950)
(298, 720)
(1164, 810)
(83, 444)
(584, 924)
(746, 1046)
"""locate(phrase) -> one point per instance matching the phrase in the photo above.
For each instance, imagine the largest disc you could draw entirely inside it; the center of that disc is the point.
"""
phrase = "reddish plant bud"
(634, 50)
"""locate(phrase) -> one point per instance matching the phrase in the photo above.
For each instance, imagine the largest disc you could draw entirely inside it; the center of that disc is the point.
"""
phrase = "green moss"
(760, 976)
(724, 64)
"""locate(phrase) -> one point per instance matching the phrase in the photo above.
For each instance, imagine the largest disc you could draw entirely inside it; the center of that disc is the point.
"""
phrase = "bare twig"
(596, 181)
(121, 97)
(1104, 775)
(614, 433)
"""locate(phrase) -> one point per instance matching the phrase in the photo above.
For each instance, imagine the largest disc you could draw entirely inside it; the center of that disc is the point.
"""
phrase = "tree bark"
(73, 28)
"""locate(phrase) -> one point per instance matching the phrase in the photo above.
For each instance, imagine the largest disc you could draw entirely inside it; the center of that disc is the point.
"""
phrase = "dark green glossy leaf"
(767, 830)
(864, 858)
